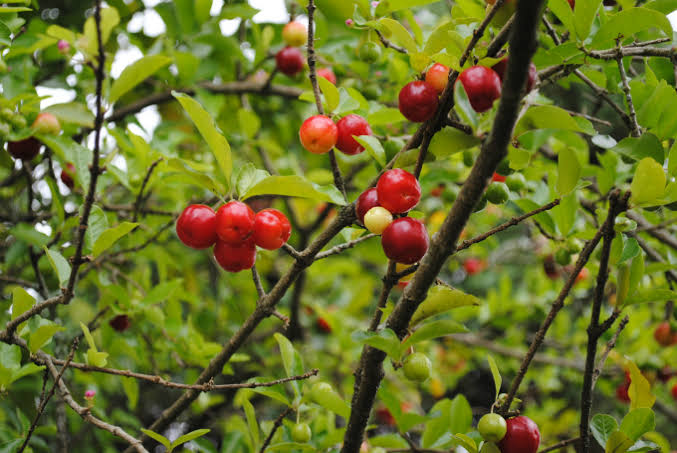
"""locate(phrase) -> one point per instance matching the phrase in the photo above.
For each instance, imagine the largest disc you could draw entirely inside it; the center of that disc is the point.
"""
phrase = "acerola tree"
(217, 279)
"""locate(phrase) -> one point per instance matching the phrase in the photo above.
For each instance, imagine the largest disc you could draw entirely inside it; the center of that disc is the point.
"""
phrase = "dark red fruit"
(405, 240)
(120, 323)
(622, 392)
(473, 266)
(482, 85)
(323, 325)
(550, 267)
(418, 101)
(196, 226)
(497, 178)
(366, 201)
(25, 149)
(235, 258)
(398, 190)
(68, 175)
(289, 61)
(502, 66)
(664, 334)
(384, 415)
(271, 229)
(522, 436)
(234, 222)
(349, 126)
(328, 74)
(673, 391)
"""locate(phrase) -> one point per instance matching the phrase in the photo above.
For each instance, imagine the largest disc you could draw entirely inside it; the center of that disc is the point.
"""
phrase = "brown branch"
(257, 282)
(388, 44)
(661, 235)
(636, 131)
(139, 198)
(560, 445)
(276, 426)
(609, 346)
(343, 247)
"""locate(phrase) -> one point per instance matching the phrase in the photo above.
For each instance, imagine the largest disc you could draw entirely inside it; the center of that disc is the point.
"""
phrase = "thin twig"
(276, 426)
(607, 349)
(345, 246)
(388, 44)
(257, 282)
(636, 131)
(560, 445)
(139, 198)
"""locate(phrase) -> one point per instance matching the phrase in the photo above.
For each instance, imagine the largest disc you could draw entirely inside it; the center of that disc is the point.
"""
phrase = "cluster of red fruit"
(234, 231)
(404, 240)
(514, 435)
(289, 60)
(319, 134)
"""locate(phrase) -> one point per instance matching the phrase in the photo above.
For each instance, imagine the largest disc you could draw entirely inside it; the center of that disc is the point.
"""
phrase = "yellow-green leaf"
(648, 184)
(136, 73)
(21, 301)
(440, 300)
(399, 34)
(640, 389)
(294, 186)
(568, 171)
(331, 93)
(111, 236)
(42, 335)
(59, 264)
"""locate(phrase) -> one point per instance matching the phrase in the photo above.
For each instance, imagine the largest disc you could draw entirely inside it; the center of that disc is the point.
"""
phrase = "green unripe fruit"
(320, 391)
(563, 257)
(481, 204)
(624, 224)
(372, 91)
(498, 193)
(417, 367)
(574, 246)
(516, 182)
(392, 147)
(18, 121)
(503, 168)
(468, 158)
(6, 114)
(450, 193)
(492, 427)
(301, 433)
(369, 52)
(4, 130)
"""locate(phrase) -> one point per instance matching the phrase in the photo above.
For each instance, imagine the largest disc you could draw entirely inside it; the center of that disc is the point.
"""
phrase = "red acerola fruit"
(664, 334)
(582, 275)
(384, 415)
(572, 3)
(289, 61)
(367, 200)
(120, 323)
(234, 222)
(46, 123)
(482, 85)
(25, 149)
(550, 267)
(418, 101)
(398, 191)
(622, 392)
(438, 77)
(497, 178)
(235, 258)
(68, 175)
(405, 240)
(522, 436)
(328, 74)
(502, 66)
(318, 134)
(271, 229)
(295, 34)
(349, 126)
(473, 266)
(673, 391)
(323, 325)
(196, 226)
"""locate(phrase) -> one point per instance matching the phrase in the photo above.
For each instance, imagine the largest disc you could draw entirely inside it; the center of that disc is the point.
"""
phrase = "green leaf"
(648, 145)
(466, 442)
(489, 447)
(59, 264)
(247, 177)
(187, 174)
(568, 171)
(648, 184)
(389, 6)
(163, 291)
(384, 340)
(331, 401)
(602, 426)
(585, 13)
(347, 103)
(271, 392)
(109, 20)
(400, 35)
(385, 116)
(207, 127)
(26, 370)
(448, 417)
(58, 32)
(111, 236)
(98, 223)
(629, 22)
(640, 389)
(638, 422)
(71, 151)
(650, 295)
(294, 186)
(249, 122)
(290, 356)
(636, 272)
(29, 235)
(10, 356)
(462, 106)
(618, 443)
(158, 437)
(450, 141)
(72, 112)
(434, 329)
(331, 93)
(549, 117)
(441, 299)
(13, 9)
(88, 336)
(136, 73)
(562, 10)
(131, 388)
(495, 373)
(190, 436)
(21, 301)
(373, 147)
(96, 358)
(42, 335)
(630, 250)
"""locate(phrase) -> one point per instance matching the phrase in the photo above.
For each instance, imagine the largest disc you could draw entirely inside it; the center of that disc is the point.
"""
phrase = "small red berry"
(482, 85)
(235, 258)
(497, 178)
(367, 200)
(398, 190)
(68, 175)
(25, 149)
(473, 266)
(405, 240)
(328, 74)
(196, 226)
(271, 229)
(289, 61)
(120, 323)
(323, 325)
(349, 126)
(502, 66)
(622, 392)
(522, 436)
(550, 267)
(318, 134)
(234, 222)
(384, 415)
(664, 334)
(438, 77)
(418, 101)
(673, 391)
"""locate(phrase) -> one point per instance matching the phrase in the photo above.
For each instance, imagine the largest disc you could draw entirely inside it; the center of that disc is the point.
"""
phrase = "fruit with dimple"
(398, 191)
(25, 149)
(516, 182)
(522, 436)
(234, 223)
(417, 367)
(349, 126)
(492, 427)
(418, 101)
(502, 66)
(289, 61)
(196, 226)
(405, 240)
(498, 193)
(271, 229)
(235, 258)
(664, 334)
(377, 219)
(482, 85)
(46, 123)
(367, 200)
(328, 74)
(318, 134)
(301, 433)
(438, 77)
(68, 175)
(295, 34)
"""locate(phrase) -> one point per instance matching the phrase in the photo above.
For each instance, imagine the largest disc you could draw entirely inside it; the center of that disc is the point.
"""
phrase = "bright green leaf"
(136, 73)
(294, 186)
(111, 236)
